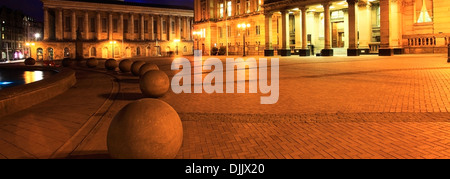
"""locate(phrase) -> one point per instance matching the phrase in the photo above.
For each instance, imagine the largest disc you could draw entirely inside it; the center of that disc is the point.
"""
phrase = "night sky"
(33, 8)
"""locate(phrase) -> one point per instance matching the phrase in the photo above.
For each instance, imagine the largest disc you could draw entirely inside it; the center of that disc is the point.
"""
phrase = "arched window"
(66, 52)
(138, 51)
(184, 49)
(50, 53)
(93, 52)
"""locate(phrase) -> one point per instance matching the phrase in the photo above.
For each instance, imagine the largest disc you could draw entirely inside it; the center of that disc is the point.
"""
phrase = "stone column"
(59, 25)
(110, 26)
(327, 51)
(120, 28)
(151, 31)
(385, 49)
(365, 26)
(74, 25)
(298, 31)
(352, 29)
(178, 27)
(169, 30)
(131, 27)
(159, 27)
(86, 25)
(285, 48)
(304, 51)
(99, 26)
(46, 25)
(268, 50)
(188, 28)
(142, 27)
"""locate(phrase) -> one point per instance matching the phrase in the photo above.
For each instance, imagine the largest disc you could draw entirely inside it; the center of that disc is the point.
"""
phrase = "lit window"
(3, 29)
(258, 7)
(229, 8)
(247, 7)
(424, 11)
(3, 36)
(238, 7)
(221, 10)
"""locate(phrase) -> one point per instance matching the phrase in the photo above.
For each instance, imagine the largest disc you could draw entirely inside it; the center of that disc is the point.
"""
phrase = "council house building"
(113, 29)
(324, 27)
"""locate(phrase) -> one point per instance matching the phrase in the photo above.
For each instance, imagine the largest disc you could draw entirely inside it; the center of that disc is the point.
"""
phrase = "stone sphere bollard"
(67, 62)
(145, 129)
(136, 66)
(111, 64)
(92, 63)
(30, 61)
(147, 67)
(125, 65)
(154, 84)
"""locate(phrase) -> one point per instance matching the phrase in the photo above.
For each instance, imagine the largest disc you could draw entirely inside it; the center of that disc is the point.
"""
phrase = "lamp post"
(197, 37)
(112, 46)
(176, 44)
(29, 45)
(243, 26)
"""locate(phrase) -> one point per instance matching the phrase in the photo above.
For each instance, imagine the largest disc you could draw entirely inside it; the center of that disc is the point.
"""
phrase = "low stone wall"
(18, 98)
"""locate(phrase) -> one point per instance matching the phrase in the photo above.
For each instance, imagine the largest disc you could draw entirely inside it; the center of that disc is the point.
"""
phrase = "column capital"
(270, 13)
(326, 4)
(303, 8)
(352, 1)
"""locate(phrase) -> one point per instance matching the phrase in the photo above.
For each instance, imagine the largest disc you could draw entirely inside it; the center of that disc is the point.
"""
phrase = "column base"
(268, 53)
(284, 52)
(304, 52)
(352, 52)
(385, 52)
(326, 52)
(398, 51)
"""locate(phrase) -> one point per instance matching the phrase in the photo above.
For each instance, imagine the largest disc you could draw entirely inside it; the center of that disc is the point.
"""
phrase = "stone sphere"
(92, 63)
(136, 66)
(125, 65)
(67, 62)
(147, 67)
(30, 61)
(111, 64)
(145, 129)
(154, 84)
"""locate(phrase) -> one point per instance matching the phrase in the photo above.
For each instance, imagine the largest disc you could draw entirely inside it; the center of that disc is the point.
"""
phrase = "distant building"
(113, 29)
(16, 29)
(345, 27)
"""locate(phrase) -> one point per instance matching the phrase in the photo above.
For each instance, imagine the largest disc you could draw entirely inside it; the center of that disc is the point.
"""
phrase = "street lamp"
(243, 26)
(37, 35)
(112, 47)
(176, 43)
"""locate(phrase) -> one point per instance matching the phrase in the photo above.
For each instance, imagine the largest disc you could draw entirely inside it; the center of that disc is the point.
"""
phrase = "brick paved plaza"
(329, 107)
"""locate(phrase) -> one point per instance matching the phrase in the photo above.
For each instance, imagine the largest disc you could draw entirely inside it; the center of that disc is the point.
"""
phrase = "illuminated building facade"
(113, 29)
(328, 27)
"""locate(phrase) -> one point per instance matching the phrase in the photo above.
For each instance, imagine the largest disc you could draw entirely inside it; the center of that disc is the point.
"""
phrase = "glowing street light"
(37, 35)
(197, 34)
(243, 26)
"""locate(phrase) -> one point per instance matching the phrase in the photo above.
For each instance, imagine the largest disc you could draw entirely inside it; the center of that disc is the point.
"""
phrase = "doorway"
(338, 35)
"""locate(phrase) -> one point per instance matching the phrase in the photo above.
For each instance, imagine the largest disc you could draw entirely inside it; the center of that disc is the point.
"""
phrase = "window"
(138, 51)
(238, 7)
(221, 10)
(93, 52)
(136, 26)
(66, 53)
(104, 25)
(258, 30)
(220, 32)
(68, 24)
(247, 6)
(3, 29)
(80, 24)
(173, 27)
(115, 25)
(184, 49)
(229, 8)
(155, 26)
(424, 11)
(3, 36)
(258, 6)
(92, 25)
(145, 26)
(164, 27)
(125, 26)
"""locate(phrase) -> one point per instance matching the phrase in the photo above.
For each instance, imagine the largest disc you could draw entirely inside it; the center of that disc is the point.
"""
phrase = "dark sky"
(33, 8)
